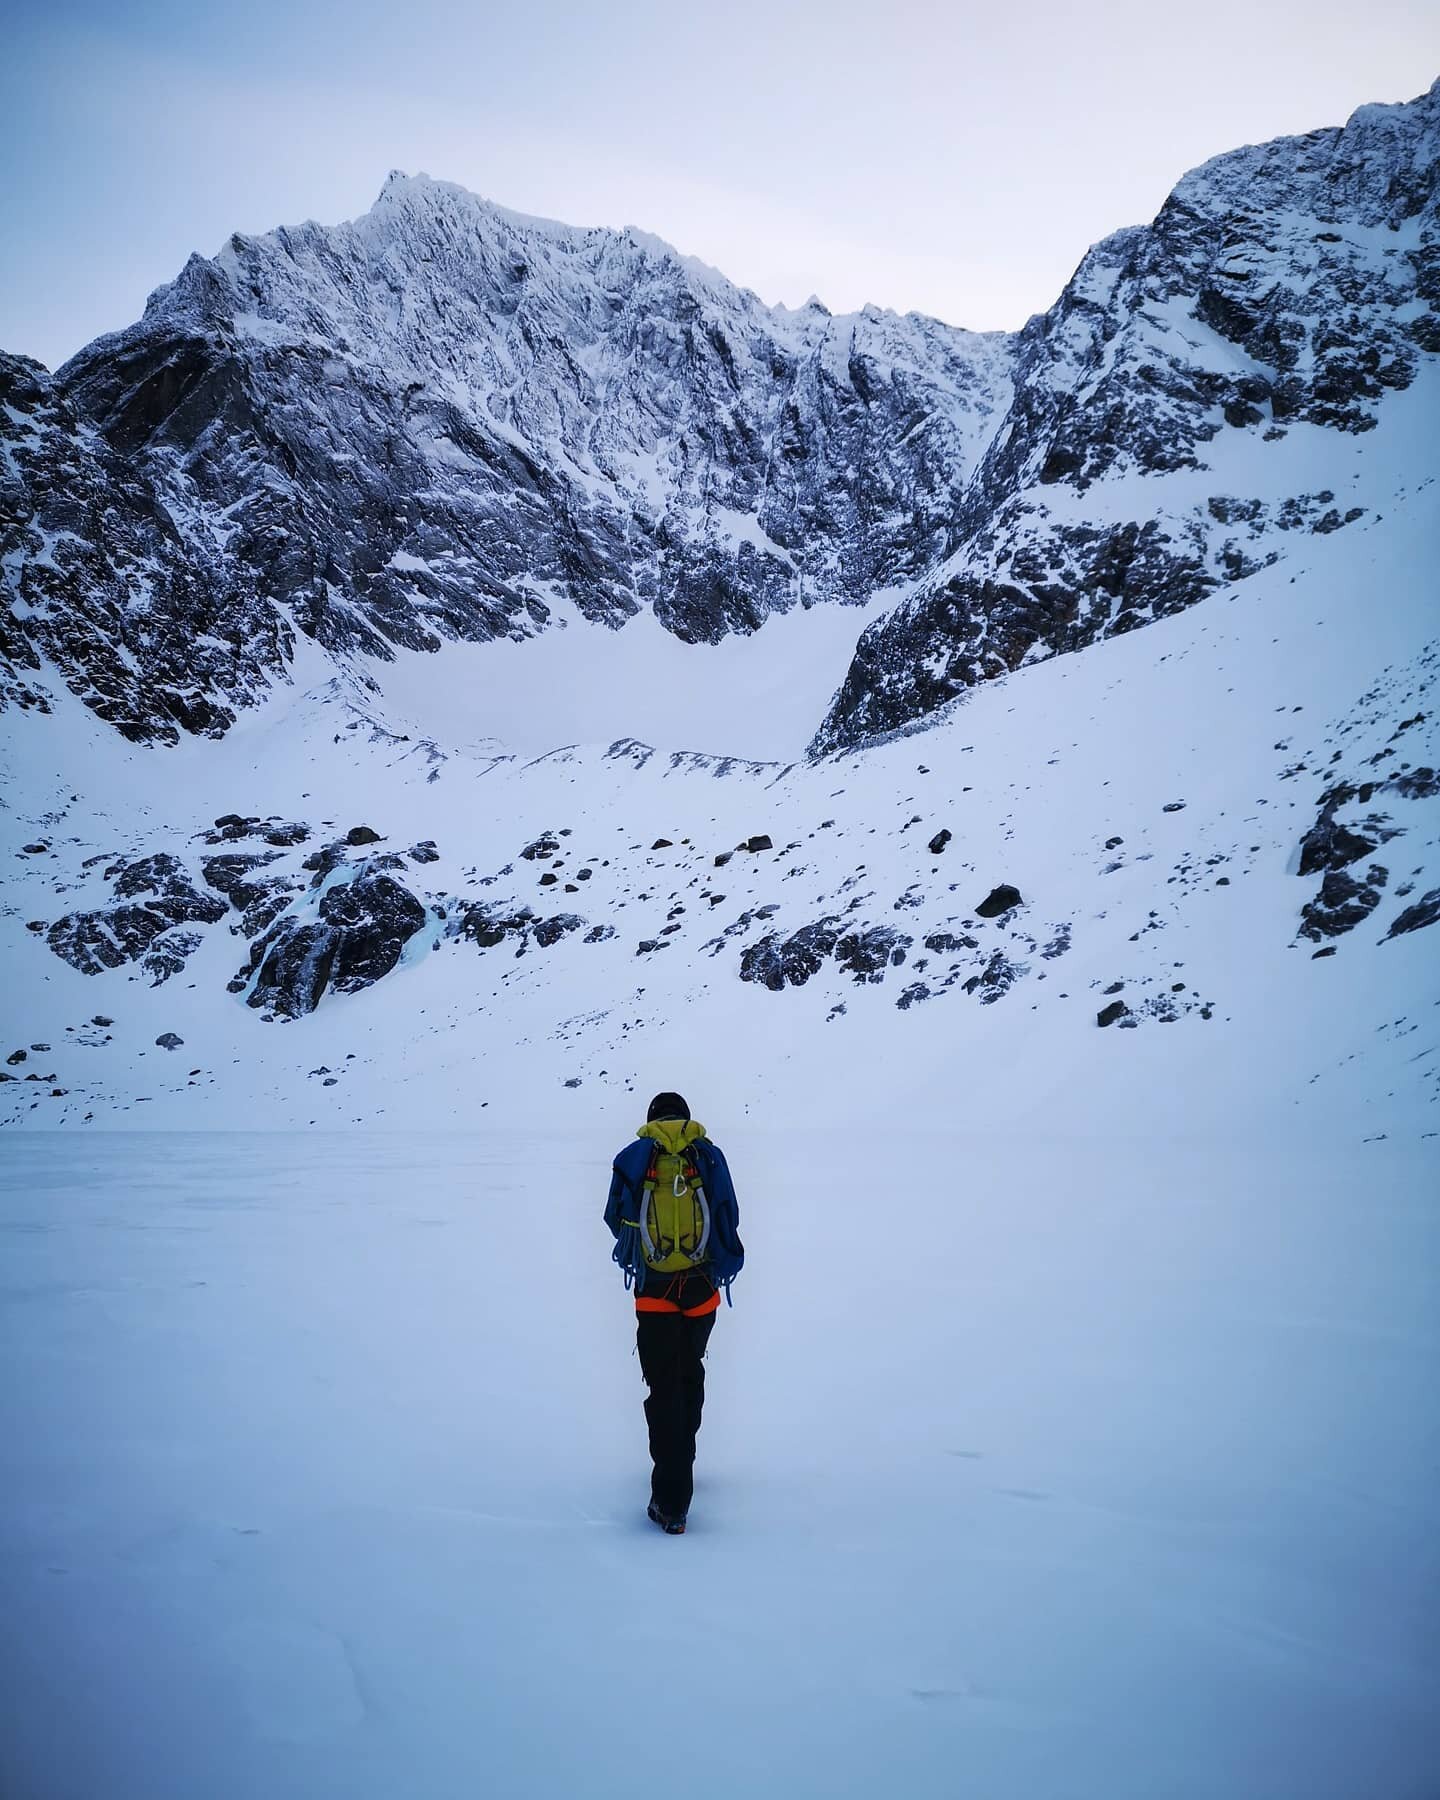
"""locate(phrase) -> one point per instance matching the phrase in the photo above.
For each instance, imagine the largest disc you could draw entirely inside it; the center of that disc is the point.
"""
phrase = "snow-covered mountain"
(420, 630)
(445, 421)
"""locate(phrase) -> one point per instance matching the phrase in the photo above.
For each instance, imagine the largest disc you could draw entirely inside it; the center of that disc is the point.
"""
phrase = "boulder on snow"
(999, 900)
(361, 834)
(938, 842)
(168, 1040)
(1117, 1009)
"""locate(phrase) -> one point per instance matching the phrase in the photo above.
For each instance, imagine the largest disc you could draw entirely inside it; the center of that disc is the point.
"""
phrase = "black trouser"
(672, 1349)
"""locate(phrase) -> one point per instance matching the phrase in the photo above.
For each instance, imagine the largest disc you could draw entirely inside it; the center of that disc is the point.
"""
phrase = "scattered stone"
(545, 845)
(40, 1049)
(646, 945)
(757, 843)
(424, 852)
(1173, 806)
(16, 1056)
(1115, 987)
(660, 844)
(34, 849)
(101, 1020)
(361, 834)
(938, 843)
(573, 1082)
(1117, 1009)
(1329, 950)
(548, 879)
(723, 858)
(168, 1040)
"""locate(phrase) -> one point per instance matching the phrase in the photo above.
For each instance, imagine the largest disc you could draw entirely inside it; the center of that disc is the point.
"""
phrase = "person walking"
(673, 1214)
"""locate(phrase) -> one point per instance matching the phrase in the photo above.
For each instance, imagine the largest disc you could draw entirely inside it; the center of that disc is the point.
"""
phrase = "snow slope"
(1242, 716)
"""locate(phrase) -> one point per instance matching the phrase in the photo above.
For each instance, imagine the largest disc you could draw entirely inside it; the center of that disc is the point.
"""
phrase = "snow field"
(1029, 1467)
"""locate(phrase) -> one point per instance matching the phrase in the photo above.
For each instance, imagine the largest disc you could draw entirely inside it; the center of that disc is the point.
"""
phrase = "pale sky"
(954, 159)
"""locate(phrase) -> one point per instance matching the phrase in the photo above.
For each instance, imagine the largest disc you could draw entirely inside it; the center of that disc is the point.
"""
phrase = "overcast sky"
(956, 159)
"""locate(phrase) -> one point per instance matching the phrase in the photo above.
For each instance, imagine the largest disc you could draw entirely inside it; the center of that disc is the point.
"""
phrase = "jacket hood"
(673, 1135)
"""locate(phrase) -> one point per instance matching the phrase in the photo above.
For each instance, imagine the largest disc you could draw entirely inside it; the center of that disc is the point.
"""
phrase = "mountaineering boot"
(668, 1523)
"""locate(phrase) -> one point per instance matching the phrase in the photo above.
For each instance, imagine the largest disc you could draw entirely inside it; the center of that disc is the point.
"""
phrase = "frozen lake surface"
(1043, 1471)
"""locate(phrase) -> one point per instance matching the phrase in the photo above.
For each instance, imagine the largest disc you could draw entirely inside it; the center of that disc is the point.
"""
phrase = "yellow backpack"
(674, 1213)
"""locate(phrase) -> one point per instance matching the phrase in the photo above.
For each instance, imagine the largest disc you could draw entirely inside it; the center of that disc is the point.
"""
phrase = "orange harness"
(657, 1303)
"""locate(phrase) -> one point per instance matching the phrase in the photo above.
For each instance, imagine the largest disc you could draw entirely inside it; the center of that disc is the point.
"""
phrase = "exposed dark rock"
(777, 963)
(646, 945)
(999, 900)
(1173, 806)
(757, 843)
(1342, 904)
(550, 931)
(358, 835)
(1117, 1009)
(1328, 845)
(662, 844)
(996, 979)
(545, 845)
(362, 928)
(938, 842)
(230, 876)
(322, 861)
(866, 954)
(946, 943)
(168, 1040)
(1424, 912)
(107, 937)
(487, 926)
(424, 852)
(167, 955)
(16, 1056)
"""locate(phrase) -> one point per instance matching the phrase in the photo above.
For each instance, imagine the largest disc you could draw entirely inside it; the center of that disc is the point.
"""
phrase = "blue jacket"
(627, 1182)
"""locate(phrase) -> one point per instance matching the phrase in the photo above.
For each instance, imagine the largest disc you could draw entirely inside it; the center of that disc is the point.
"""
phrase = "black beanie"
(667, 1106)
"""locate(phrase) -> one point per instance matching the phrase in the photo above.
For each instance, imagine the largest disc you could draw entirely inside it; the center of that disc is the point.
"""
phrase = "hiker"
(673, 1215)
